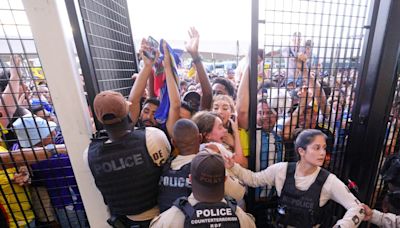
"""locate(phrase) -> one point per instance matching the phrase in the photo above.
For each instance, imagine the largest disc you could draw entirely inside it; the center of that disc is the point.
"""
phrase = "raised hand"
(192, 46)
(302, 57)
(234, 123)
(144, 46)
(167, 56)
(16, 60)
(23, 100)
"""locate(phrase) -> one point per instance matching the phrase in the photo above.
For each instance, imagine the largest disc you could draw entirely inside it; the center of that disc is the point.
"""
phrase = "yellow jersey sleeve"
(244, 141)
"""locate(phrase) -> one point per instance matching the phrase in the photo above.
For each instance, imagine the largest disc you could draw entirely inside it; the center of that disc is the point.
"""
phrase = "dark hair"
(186, 105)
(228, 86)
(37, 108)
(296, 34)
(327, 89)
(19, 112)
(152, 100)
(205, 122)
(181, 83)
(303, 138)
(267, 84)
(309, 43)
(43, 83)
(4, 79)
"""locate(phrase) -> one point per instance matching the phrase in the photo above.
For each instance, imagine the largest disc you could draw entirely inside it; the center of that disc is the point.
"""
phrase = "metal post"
(82, 48)
(253, 96)
(376, 87)
(53, 38)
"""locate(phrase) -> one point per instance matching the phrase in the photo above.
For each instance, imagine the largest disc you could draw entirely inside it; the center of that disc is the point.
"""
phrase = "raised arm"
(9, 98)
(243, 101)
(173, 92)
(254, 179)
(192, 46)
(316, 88)
(140, 83)
(239, 156)
(274, 53)
(291, 122)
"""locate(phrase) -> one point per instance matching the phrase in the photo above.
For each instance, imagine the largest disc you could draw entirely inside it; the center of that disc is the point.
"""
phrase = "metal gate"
(336, 55)
(104, 43)
(350, 50)
(37, 183)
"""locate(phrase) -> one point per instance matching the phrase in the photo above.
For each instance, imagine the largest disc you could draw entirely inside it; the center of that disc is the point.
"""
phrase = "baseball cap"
(193, 98)
(30, 130)
(290, 80)
(208, 176)
(110, 107)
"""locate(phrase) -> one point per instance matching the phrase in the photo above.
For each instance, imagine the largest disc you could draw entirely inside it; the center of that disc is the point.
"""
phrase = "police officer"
(174, 181)
(206, 206)
(391, 203)
(126, 164)
(304, 187)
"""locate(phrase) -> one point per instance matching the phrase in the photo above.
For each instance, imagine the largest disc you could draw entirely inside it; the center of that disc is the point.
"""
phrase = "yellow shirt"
(18, 210)
(2, 143)
(244, 141)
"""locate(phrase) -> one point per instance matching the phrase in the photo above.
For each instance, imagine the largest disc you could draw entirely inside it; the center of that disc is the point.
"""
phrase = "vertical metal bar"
(85, 56)
(375, 96)
(253, 95)
(64, 84)
(357, 77)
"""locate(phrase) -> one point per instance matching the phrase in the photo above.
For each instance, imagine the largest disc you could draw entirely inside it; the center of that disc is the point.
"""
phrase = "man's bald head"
(186, 136)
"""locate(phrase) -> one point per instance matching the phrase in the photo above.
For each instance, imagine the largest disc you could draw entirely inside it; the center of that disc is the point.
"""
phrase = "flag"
(161, 114)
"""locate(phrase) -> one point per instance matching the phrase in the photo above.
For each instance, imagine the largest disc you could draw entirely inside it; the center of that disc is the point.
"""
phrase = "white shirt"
(333, 189)
(385, 220)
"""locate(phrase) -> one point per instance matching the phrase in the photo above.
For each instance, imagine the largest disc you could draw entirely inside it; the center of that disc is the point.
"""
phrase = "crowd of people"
(204, 170)
(176, 152)
(38, 188)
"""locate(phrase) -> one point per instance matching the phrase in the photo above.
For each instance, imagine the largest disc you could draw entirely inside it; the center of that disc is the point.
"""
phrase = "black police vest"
(125, 174)
(173, 184)
(300, 208)
(206, 215)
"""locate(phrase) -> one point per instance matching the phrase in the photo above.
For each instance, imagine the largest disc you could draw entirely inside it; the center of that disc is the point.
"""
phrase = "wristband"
(196, 59)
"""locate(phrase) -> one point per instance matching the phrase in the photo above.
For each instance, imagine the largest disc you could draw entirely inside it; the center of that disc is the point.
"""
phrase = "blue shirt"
(57, 176)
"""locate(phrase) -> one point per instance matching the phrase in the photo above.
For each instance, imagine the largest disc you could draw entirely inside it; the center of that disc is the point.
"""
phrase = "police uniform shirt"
(333, 189)
(385, 220)
(159, 150)
(174, 217)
